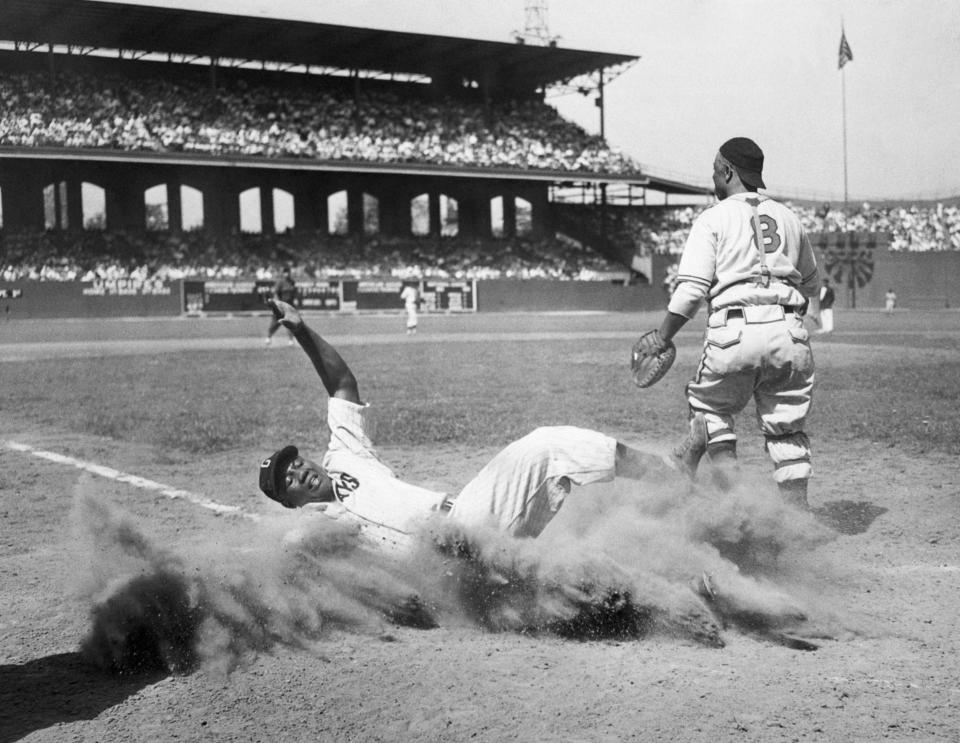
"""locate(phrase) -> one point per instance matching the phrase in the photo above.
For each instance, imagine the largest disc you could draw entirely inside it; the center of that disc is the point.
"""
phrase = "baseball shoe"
(687, 455)
(267, 341)
(705, 588)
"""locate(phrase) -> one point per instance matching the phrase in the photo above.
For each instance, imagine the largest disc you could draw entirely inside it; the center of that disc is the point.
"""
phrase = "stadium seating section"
(56, 256)
(186, 114)
(86, 256)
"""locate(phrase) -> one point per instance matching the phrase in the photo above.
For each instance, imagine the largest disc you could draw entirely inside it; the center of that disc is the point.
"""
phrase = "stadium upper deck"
(485, 73)
(502, 70)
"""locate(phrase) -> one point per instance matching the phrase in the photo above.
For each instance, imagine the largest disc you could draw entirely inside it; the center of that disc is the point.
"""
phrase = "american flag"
(845, 54)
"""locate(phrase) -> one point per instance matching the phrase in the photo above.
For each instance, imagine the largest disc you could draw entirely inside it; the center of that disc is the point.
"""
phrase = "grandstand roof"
(116, 25)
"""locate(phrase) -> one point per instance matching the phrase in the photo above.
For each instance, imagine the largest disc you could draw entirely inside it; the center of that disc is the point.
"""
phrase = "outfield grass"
(891, 381)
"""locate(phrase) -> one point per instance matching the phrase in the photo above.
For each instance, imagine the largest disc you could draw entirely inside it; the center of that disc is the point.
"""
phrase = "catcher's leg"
(794, 492)
(688, 453)
(783, 398)
(721, 388)
(723, 457)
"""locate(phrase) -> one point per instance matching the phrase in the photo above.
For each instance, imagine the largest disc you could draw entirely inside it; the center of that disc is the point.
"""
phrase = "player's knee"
(545, 434)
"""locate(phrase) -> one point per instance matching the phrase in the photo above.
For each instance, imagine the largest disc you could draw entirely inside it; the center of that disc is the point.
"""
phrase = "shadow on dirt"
(848, 517)
(59, 688)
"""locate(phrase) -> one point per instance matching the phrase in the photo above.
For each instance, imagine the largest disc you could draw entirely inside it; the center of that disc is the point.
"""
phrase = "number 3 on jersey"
(771, 235)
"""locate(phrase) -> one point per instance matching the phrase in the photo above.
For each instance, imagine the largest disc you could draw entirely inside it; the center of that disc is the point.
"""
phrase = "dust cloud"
(619, 561)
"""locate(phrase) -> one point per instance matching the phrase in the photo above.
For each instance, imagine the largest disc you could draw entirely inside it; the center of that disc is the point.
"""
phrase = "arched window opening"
(251, 220)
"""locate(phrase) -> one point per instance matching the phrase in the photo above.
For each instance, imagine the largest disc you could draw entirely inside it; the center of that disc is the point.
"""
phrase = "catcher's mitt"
(651, 358)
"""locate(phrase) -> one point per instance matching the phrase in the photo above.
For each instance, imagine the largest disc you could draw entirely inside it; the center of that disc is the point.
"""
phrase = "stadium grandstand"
(128, 121)
(145, 142)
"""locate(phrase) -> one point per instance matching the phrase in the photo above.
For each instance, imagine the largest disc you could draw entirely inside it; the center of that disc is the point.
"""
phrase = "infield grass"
(893, 384)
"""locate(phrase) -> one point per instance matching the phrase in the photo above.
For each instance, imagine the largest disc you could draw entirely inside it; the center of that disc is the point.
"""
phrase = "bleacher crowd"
(190, 116)
(108, 256)
(90, 255)
(911, 228)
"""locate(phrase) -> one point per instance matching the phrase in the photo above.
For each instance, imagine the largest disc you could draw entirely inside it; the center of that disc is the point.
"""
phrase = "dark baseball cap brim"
(273, 473)
(746, 157)
(751, 178)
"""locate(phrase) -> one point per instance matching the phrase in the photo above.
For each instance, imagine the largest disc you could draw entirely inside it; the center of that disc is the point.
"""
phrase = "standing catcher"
(519, 491)
(285, 290)
(755, 344)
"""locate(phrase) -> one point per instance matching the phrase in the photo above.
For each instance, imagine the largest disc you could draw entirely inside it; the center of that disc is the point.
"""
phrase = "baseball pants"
(761, 352)
(522, 488)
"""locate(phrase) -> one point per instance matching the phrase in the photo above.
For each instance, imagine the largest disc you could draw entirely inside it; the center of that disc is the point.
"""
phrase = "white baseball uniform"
(519, 491)
(755, 344)
(411, 302)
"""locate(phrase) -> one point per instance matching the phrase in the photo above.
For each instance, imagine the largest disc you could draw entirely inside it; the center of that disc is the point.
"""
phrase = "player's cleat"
(687, 455)
(705, 588)
(267, 341)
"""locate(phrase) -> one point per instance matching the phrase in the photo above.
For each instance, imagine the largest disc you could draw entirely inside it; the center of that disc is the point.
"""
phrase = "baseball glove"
(651, 358)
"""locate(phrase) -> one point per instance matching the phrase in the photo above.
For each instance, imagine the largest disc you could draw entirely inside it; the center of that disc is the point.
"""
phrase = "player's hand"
(287, 314)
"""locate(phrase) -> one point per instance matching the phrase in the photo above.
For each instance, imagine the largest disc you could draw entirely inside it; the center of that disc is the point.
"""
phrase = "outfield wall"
(929, 280)
(61, 299)
(544, 295)
(65, 299)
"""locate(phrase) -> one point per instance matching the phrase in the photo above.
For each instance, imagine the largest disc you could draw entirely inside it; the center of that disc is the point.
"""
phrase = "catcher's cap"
(744, 154)
(273, 472)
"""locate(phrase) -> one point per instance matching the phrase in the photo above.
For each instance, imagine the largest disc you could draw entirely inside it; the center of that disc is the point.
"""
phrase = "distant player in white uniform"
(749, 258)
(411, 302)
(890, 301)
(519, 491)
(827, 298)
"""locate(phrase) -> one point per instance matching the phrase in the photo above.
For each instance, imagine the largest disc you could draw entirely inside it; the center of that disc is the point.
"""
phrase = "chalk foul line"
(125, 477)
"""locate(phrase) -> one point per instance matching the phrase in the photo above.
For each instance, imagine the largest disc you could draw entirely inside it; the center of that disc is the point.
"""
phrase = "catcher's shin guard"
(794, 492)
(726, 468)
(690, 451)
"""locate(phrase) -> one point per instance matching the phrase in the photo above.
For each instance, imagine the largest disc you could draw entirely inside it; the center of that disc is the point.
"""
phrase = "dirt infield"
(191, 406)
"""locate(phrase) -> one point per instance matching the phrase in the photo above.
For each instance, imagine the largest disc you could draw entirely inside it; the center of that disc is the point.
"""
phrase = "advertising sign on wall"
(334, 295)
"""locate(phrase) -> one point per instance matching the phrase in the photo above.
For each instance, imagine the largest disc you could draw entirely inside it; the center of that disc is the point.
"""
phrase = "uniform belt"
(759, 313)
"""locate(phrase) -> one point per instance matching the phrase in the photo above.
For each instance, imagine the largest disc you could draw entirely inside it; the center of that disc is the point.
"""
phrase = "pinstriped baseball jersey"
(721, 262)
(365, 486)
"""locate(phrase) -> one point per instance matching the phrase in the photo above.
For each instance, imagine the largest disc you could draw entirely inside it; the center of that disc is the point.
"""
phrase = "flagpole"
(843, 88)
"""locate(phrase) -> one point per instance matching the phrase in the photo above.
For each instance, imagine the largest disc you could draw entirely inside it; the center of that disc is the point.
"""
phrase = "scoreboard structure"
(334, 295)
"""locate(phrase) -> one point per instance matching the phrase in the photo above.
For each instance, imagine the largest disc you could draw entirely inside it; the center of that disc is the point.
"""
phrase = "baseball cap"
(273, 472)
(744, 154)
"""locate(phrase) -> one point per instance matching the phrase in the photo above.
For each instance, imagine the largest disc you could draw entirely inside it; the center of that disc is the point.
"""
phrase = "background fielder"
(410, 295)
(284, 290)
(755, 344)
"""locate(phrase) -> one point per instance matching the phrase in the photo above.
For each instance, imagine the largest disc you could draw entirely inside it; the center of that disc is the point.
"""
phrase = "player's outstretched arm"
(332, 369)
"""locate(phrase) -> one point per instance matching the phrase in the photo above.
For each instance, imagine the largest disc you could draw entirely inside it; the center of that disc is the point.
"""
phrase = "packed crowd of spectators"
(91, 255)
(910, 228)
(191, 116)
(121, 255)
